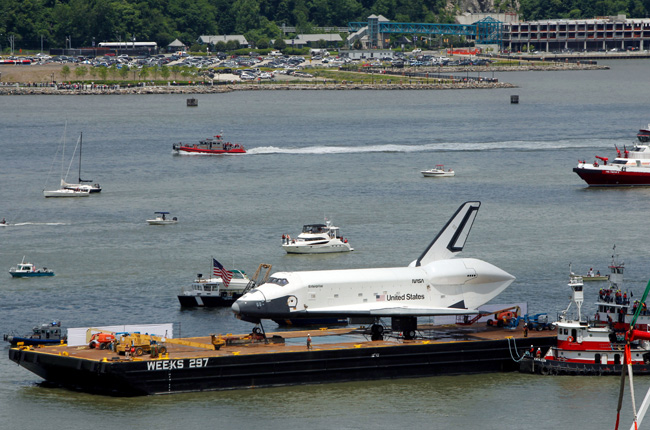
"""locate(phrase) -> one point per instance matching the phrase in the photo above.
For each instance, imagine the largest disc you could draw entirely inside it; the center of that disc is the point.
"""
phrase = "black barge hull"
(233, 371)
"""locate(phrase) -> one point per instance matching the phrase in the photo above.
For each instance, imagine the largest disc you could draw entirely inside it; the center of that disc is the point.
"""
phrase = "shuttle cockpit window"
(278, 281)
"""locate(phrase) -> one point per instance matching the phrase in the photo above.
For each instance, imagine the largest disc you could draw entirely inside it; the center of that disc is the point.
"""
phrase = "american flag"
(218, 270)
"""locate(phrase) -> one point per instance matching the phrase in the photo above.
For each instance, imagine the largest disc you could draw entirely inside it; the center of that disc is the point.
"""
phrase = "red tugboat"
(630, 168)
(210, 146)
(596, 346)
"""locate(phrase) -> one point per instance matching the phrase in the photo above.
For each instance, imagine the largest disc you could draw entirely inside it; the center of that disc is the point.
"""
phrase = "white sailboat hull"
(65, 193)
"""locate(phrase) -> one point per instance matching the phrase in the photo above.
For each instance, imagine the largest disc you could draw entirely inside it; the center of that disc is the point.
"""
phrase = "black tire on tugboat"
(162, 350)
(544, 370)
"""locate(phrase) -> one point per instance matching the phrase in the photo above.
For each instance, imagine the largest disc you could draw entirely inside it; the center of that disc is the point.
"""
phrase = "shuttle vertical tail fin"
(451, 239)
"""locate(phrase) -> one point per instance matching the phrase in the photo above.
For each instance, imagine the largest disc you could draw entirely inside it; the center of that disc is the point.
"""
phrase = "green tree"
(247, 14)
(176, 70)
(65, 72)
(220, 46)
(113, 71)
(124, 71)
(155, 71)
(93, 72)
(164, 72)
(102, 72)
(279, 44)
(81, 72)
(144, 72)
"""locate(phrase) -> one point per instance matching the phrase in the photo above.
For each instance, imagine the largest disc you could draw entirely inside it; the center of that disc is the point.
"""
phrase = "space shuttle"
(435, 283)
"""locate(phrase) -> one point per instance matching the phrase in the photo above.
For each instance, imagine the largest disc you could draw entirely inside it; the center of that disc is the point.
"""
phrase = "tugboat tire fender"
(544, 370)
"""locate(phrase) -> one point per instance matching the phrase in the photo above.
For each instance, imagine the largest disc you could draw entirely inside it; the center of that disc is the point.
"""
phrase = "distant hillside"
(49, 23)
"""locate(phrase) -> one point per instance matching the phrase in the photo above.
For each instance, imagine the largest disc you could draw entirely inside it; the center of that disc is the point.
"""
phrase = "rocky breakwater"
(209, 89)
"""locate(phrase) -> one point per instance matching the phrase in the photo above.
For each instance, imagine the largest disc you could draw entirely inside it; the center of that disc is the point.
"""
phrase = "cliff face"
(478, 6)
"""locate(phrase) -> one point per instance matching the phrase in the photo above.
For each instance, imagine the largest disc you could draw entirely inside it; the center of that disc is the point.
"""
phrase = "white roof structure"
(223, 38)
(176, 44)
(309, 38)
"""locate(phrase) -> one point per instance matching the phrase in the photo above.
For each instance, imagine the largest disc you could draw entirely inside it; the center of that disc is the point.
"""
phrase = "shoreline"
(15, 85)
(89, 89)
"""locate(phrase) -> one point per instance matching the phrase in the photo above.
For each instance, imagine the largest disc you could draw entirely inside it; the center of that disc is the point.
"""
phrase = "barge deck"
(336, 355)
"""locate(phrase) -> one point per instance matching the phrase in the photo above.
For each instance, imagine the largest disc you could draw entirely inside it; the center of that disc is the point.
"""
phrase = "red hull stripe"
(612, 177)
(212, 151)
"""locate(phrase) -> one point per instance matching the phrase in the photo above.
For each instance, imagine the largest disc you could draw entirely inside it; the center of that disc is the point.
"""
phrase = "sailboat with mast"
(84, 184)
(65, 192)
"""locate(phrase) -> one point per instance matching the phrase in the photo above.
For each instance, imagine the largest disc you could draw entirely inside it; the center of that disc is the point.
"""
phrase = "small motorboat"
(209, 146)
(28, 270)
(316, 239)
(162, 218)
(644, 134)
(45, 334)
(439, 171)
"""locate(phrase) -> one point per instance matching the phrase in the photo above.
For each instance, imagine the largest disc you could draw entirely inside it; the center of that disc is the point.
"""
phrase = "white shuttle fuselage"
(434, 284)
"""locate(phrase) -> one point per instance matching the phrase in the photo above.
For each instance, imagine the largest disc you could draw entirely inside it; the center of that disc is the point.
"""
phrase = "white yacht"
(316, 239)
(211, 292)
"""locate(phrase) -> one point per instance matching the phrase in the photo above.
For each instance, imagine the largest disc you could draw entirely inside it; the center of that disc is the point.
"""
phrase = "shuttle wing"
(451, 239)
(383, 309)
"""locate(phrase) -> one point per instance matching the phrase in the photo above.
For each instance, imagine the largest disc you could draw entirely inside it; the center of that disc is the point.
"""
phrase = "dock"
(336, 355)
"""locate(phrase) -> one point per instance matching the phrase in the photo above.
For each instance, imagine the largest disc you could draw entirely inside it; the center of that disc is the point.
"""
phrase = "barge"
(287, 358)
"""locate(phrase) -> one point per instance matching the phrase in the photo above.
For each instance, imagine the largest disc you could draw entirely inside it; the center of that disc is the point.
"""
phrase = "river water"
(353, 156)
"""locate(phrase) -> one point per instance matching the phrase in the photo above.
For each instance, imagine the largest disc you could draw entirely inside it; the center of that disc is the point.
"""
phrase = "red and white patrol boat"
(210, 146)
(630, 168)
(595, 346)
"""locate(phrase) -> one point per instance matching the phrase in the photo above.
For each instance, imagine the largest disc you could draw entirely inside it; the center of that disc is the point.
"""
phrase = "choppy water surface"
(353, 156)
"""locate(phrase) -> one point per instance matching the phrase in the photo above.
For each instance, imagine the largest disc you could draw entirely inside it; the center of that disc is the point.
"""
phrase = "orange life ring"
(569, 339)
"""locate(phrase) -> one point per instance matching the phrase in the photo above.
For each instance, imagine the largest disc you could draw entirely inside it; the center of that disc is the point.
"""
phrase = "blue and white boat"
(28, 270)
(45, 334)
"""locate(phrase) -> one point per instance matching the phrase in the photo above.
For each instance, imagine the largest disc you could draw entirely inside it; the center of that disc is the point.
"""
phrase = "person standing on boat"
(308, 341)
(525, 329)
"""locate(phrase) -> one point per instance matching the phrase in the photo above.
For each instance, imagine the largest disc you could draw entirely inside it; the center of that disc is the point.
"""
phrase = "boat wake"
(437, 147)
(18, 224)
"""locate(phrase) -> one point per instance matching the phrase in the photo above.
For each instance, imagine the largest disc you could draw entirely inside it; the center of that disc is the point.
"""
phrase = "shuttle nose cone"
(235, 307)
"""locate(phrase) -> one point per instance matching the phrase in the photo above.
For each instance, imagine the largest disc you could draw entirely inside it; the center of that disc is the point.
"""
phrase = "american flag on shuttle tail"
(218, 270)
(380, 297)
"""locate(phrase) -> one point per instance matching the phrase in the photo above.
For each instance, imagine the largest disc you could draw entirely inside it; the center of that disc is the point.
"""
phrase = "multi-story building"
(579, 35)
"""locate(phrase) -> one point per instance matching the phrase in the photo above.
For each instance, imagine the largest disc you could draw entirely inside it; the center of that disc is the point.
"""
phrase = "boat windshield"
(314, 228)
(238, 274)
(619, 162)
